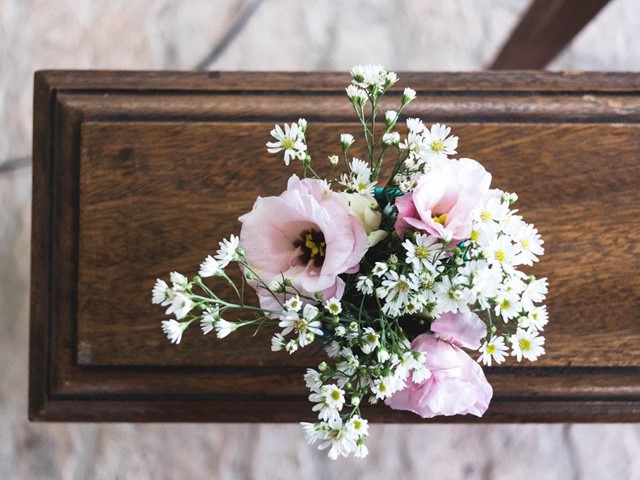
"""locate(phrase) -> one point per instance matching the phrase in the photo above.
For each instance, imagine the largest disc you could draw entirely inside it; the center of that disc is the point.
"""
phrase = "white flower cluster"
(430, 278)
(387, 276)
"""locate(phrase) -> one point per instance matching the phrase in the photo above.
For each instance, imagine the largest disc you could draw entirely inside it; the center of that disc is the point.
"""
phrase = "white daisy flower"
(360, 168)
(334, 306)
(501, 251)
(527, 344)
(536, 319)
(340, 442)
(228, 251)
(369, 340)
(530, 243)
(365, 285)
(302, 326)
(494, 349)
(372, 77)
(332, 349)
(357, 95)
(294, 304)
(408, 95)
(209, 268)
(291, 140)
(224, 328)
(438, 141)
(422, 253)
(391, 138)
(379, 269)
(450, 296)
(179, 281)
(384, 387)
(173, 330)
(313, 380)
(329, 401)
(357, 427)
(180, 306)
(396, 290)
(208, 320)
(278, 342)
(415, 125)
(349, 363)
(161, 293)
(390, 117)
(491, 210)
(508, 304)
(346, 139)
(534, 292)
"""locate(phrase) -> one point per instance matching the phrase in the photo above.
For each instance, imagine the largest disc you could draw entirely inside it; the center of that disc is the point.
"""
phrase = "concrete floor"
(325, 34)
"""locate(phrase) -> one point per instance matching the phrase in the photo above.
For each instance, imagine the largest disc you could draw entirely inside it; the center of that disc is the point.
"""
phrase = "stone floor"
(325, 34)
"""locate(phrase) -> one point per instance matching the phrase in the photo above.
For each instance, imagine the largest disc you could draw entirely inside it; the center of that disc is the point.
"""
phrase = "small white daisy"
(224, 328)
(161, 293)
(173, 330)
(180, 306)
(527, 344)
(369, 341)
(408, 95)
(357, 95)
(209, 268)
(438, 141)
(291, 140)
(228, 251)
(494, 349)
(334, 306)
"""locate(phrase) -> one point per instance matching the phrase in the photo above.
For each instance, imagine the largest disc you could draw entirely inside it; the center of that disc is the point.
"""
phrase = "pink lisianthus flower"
(305, 235)
(443, 201)
(456, 385)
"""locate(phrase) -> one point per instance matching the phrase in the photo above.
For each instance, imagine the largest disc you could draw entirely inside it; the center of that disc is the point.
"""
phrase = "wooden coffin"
(137, 174)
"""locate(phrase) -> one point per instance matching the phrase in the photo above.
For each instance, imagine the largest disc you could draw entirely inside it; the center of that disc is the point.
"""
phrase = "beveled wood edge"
(293, 410)
(516, 80)
(47, 339)
(39, 329)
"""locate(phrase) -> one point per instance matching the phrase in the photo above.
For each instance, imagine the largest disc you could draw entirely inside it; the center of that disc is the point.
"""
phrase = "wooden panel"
(138, 174)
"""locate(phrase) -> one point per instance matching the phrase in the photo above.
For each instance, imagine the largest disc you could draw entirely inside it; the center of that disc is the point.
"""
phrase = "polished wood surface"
(137, 174)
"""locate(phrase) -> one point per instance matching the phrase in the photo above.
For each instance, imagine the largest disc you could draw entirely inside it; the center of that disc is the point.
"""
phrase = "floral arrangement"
(396, 280)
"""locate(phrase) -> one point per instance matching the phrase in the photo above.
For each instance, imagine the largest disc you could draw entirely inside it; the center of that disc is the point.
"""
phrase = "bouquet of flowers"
(397, 280)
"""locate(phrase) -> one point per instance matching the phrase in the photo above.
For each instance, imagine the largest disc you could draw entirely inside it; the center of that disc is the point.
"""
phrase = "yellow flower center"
(300, 325)
(501, 256)
(524, 243)
(485, 216)
(475, 235)
(288, 143)
(441, 219)
(437, 146)
(525, 344)
(336, 395)
(315, 249)
(422, 252)
(505, 304)
(491, 349)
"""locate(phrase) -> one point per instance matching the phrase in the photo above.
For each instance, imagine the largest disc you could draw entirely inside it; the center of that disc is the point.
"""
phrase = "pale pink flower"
(456, 384)
(305, 235)
(461, 329)
(443, 201)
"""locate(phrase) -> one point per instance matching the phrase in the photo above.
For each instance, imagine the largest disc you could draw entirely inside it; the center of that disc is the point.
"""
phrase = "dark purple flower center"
(312, 246)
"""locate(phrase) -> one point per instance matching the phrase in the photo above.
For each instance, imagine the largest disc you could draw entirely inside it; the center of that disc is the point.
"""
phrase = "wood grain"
(139, 174)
